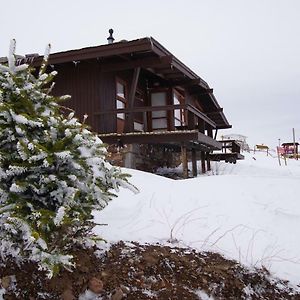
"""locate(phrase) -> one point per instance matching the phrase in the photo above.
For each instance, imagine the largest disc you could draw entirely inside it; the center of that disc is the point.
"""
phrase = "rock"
(95, 285)
(118, 294)
(104, 274)
(67, 294)
(5, 282)
(82, 268)
(151, 259)
(161, 284)
(125, 289)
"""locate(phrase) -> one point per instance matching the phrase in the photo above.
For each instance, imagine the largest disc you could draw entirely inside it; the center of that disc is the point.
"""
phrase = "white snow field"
(249, 211)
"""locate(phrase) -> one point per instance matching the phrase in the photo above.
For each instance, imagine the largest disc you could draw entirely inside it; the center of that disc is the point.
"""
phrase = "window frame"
(139, 97)
(165, 91)
(182, 116)
(123, 100)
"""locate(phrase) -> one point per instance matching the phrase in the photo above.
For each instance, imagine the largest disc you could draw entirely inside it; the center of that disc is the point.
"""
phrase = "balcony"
(191, 131)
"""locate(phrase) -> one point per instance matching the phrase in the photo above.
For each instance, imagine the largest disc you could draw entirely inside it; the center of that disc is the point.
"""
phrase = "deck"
(231, 152)
(227, 157)
(192, 139)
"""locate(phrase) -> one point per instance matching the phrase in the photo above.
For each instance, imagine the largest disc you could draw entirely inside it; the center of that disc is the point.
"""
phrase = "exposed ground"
(147, 272)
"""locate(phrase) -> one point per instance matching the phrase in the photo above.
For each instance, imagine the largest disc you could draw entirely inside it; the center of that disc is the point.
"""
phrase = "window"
(120, 90)
(159, 118)
(139, 116)
(121, 97)
(121, 105)
(138, 126)
(179, 115)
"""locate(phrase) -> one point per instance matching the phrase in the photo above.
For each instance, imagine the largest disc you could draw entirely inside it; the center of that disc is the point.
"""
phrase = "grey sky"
(248, 51)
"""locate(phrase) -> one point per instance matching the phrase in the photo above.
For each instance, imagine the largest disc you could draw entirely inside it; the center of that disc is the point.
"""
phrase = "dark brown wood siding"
(91, 90)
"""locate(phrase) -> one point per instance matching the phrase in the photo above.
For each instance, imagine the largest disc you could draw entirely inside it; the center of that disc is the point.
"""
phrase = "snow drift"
(249, 212)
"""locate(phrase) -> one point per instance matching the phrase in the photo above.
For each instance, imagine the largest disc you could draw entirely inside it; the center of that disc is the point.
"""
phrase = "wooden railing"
(232, 145)
(190, 111)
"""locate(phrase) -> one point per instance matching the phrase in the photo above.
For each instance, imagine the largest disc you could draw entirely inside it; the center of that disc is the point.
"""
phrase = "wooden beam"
(189, 107)
(209, 141)
(209, 131)
(200, 114)
(188, 82)
(144, 45)
(215, 112)
(200, 140)
(223, 126)
(191, 120)
(141, 109)
(165, 70)
(196, 91)
(201, 125)
(134, 82)
(216, 133)
(230, 157)
(144, 63)
(174, 75)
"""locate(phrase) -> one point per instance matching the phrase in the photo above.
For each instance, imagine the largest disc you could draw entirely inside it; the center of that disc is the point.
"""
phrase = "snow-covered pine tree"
(53, 171)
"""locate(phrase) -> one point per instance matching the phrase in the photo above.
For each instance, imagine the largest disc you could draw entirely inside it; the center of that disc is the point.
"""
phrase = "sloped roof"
(147, 53)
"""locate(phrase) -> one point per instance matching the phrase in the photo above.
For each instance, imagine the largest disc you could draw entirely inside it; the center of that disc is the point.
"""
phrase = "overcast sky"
(248, 51)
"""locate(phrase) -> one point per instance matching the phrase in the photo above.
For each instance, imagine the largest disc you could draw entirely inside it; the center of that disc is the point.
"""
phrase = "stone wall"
(145, 157)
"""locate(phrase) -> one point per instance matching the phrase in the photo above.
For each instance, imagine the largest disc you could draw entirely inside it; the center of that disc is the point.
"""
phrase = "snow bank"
(249, 211)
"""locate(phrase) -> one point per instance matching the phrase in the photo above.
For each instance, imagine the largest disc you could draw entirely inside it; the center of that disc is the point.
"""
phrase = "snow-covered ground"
(249, 211)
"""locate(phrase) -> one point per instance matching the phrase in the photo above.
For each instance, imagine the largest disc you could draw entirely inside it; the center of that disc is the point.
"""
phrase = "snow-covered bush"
(53, 171)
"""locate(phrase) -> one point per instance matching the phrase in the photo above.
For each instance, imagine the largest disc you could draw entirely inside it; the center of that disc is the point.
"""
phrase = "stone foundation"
(144, 157)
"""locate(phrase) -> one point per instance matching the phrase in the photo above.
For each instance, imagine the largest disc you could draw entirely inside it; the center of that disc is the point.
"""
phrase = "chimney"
(110, 39)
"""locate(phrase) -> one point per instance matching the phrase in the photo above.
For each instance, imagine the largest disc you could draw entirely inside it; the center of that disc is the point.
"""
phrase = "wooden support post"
(209, 131)
(208, 161)
(201, 125)
(210, 134)
(194, 162)
(191, 120)
(184, 161)
(216, 133)
(203, 167)
(134, 82)
(145, 121)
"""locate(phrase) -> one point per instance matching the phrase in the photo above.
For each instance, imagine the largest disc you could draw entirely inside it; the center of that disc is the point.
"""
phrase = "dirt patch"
(148, 272)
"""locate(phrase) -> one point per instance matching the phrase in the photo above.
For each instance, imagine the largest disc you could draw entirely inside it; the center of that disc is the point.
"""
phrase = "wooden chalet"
(138, 96)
